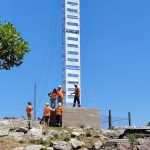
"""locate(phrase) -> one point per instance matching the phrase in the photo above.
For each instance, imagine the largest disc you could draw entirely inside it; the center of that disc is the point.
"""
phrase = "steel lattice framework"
(71, 48)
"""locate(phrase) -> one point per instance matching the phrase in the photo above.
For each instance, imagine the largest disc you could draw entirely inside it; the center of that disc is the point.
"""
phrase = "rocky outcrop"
(15, 135)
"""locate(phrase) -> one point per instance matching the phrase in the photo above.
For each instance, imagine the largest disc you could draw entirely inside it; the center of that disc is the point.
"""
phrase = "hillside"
(14, 135)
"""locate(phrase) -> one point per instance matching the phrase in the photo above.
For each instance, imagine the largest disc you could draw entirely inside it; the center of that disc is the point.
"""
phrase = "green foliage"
(132, 138)
(12, 47)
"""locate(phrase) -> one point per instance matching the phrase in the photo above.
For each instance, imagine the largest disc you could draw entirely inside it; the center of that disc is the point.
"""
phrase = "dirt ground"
(9, 144)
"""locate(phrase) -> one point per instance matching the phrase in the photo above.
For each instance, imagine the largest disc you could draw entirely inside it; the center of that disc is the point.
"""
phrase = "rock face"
(76, 144)
(61, 145)
(15, 135)
(34, 134)
(4, 132)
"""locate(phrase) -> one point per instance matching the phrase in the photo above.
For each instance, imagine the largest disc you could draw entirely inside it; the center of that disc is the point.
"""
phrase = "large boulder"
(76, 144)
(4, 132)
(34, 134)
(97, 145)
(75, 134)
(61, 145)
(112, 133)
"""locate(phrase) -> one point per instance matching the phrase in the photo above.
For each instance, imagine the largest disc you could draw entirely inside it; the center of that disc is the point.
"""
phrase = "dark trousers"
(76, 99)
(47, 119)
(58, 120)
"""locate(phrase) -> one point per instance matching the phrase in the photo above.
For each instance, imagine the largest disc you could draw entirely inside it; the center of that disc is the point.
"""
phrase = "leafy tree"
(12, 47)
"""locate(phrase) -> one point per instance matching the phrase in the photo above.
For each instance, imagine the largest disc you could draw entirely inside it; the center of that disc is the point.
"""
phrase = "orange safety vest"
(47, 111)
(77, 92)
(29, 109)
(53, 95)
(59, 110)
(60, 93)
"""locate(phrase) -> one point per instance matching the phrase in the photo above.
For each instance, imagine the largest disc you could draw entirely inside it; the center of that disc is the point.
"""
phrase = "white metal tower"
(71, 48)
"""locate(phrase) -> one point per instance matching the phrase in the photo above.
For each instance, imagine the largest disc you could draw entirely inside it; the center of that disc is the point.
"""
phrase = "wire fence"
(109, 121)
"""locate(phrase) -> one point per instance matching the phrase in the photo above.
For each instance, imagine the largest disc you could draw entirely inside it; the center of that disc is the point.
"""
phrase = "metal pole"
(110, 119)
(35, 101)
(129, 118)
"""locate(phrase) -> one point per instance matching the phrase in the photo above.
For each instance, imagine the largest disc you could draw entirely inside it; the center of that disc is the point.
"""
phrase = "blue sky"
(115, 56)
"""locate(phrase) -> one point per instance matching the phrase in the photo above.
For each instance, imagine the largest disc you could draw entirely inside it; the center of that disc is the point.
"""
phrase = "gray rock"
(119, 143)
(17, 123)
(61, 145)
(112, 133)
(75, 134)
(80, 130)
(97, 145)
(6, 124)
(17, 136)
(34, 134)
(4, 132)
(76, 143)
(53, 133)
(142, 147)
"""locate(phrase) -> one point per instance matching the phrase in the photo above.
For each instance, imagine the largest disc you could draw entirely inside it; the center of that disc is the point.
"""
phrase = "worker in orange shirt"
(77, 95)
(59, 111)
(29, 110)
(47, 114)
(60, 94)
(52, 96)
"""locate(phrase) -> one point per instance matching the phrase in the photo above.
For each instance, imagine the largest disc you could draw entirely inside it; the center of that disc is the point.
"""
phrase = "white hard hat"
(75, 84)
(59, 104)
(59, 86)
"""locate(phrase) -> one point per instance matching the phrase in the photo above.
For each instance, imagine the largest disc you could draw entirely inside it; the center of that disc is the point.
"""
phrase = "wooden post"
(110, 119)
(35, 101)
(129, 118)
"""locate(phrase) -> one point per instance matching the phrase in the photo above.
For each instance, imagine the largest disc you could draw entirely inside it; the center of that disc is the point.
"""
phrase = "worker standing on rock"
(60, 94)
(29, 110)
(59, 111)
(52, 96)
(77, 95)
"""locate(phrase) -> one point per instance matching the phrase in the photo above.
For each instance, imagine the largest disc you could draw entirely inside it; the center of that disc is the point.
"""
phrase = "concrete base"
(78, 116)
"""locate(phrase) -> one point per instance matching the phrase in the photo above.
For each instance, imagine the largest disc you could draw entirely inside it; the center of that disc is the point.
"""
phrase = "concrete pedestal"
(78, 116)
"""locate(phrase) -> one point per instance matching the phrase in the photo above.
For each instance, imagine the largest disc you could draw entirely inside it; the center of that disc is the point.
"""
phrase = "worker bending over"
(77, 95)
(60, 94)
(59, 111)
